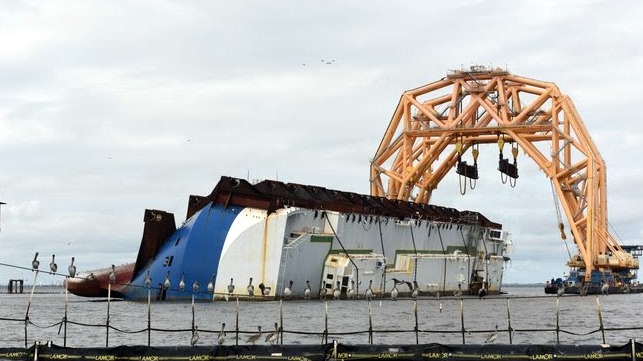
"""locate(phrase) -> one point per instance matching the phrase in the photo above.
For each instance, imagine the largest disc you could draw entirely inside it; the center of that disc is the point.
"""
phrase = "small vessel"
(552, 287)
(283, 234)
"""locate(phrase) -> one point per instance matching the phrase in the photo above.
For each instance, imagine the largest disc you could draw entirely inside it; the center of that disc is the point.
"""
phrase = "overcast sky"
(109, 108)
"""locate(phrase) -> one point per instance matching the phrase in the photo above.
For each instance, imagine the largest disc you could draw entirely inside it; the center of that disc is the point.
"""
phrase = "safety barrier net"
(631, 351)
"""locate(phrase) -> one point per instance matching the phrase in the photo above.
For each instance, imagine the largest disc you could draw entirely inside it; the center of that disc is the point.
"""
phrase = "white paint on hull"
(293, 244)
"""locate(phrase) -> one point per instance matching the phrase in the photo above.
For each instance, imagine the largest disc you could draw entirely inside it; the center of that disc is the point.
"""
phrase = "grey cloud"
(109, 109)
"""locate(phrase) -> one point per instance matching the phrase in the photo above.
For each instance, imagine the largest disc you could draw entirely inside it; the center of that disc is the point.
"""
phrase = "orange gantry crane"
(435, 125)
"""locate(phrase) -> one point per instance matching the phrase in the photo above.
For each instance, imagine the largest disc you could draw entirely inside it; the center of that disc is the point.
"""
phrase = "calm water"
(527, 308)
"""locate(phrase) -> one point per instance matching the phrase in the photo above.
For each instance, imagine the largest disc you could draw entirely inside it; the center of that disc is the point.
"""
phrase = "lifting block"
(469, 171)
(508, 168)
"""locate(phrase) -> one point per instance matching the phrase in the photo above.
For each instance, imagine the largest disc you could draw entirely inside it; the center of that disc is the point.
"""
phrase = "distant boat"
(601, 282)
(552, 287)
(279, 232)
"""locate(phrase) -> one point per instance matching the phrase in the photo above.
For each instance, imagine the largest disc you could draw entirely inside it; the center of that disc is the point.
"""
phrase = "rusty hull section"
(272, 195)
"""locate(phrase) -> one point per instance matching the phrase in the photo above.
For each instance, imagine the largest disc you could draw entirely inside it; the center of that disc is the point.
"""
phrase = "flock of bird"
(53, 266)
(351, 292)
(71, 269)
(265, 291)
(272, 336)
(325, 291)
(336, 291)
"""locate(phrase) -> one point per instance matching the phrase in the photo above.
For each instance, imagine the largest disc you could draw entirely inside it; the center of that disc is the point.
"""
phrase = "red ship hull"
(95, 283)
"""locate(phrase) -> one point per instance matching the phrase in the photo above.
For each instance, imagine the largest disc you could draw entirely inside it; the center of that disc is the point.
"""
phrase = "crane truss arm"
(435, 124)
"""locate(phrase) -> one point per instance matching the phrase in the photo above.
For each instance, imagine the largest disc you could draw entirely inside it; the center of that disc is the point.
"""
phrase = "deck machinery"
(434, 126)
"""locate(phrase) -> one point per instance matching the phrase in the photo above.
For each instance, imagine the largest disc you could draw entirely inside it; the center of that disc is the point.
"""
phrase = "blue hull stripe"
(199, 240)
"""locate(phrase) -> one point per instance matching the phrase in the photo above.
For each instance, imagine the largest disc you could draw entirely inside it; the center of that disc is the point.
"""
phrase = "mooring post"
(26, 322)
(633, 344)
(509, 322)
(281, 321)
(557, 321)
(193, 313)
(65, 318)
(325, 337)
(600, 317)
(415, 313)
(237, 324)
(462, 320)
(109, 297)
(149, 316)
(33, 287)
(370, 324)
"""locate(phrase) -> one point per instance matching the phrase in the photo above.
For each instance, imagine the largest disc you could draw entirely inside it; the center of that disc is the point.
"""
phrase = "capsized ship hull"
(266, 235)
